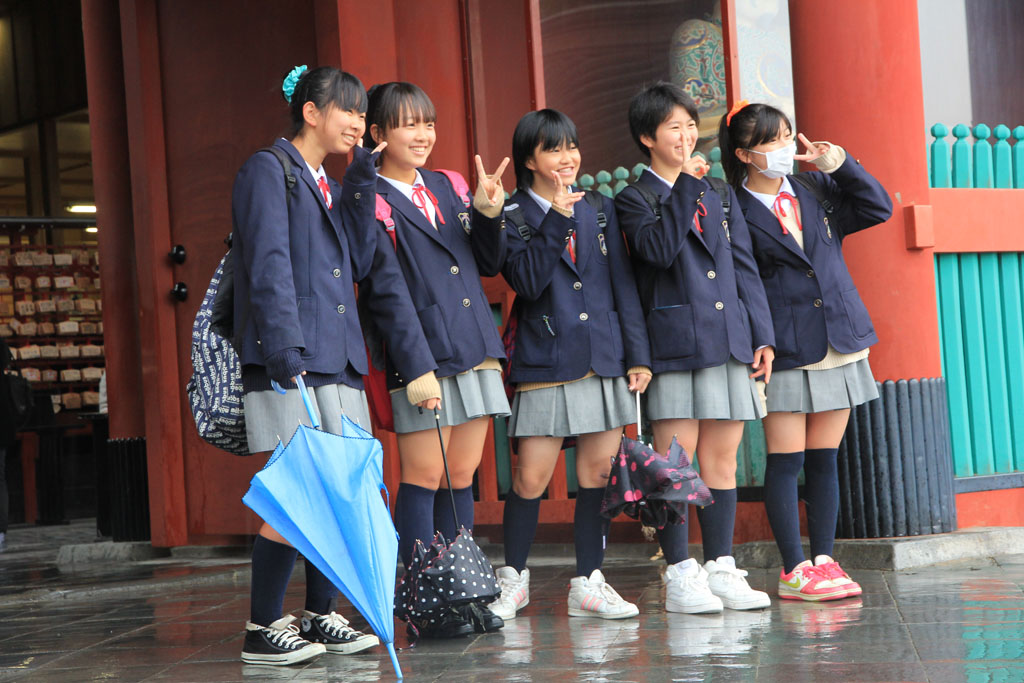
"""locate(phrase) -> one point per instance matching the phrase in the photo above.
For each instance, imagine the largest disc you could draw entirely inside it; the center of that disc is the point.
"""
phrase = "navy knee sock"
(443, 519)
(821, 494)
(519, 524)
(717, 522)
(272, 565)
(589, 530)
(414, 518)
(320, 592)
(782, 505)
(675, 540)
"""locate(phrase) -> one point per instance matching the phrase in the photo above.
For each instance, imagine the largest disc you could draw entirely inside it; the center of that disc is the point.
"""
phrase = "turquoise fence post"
(1002, 167)
(639, 168)
(993, 321)
(1018, 157)
(939, 170)
(717, 170)
(982, 156)
(1011, 277)
(603, 178)
(947, 275)
(961, 156)
(621, 175)
(585, 181)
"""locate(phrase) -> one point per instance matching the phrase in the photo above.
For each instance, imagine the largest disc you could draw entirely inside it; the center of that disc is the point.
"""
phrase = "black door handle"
(178, 254)
(179, 291)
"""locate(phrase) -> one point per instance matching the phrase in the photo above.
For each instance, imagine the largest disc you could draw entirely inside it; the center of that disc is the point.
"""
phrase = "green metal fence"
(978, 162)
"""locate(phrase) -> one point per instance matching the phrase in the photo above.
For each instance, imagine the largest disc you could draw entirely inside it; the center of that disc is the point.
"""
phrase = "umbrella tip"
(394, 660)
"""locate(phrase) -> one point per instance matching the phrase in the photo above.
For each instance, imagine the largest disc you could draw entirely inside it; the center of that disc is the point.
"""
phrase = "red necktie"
(324, 190)
(701, 211)
(420, 195)
(780, 212)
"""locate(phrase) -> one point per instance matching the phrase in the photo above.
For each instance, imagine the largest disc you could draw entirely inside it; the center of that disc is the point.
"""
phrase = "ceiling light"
(81, 208)
(92, 228)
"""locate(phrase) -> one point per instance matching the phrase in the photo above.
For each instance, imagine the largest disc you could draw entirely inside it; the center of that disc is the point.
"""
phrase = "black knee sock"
(272, 565)
(519, 524)
(821, 494)
(320, 592)
(414, 518)
(675, 541)
(589, 530)
(782, 505)
(717, 522)
(443, 518)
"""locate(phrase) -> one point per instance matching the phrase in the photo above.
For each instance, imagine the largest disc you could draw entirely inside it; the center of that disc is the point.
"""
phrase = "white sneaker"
(730, 584)
(686, 589)
(593, 597)
(515, 592)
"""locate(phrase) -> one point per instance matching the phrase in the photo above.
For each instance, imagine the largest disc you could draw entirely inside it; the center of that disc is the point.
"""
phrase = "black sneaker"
(481, 617)
(277, 644)
(334, 632)
(447, 624)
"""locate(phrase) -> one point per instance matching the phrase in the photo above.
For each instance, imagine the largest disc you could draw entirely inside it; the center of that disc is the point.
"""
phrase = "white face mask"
(778, 162)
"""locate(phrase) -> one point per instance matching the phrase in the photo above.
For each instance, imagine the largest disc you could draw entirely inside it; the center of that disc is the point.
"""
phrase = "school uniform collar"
(662, 187)
(544, 204)
(534, 211)
(759, 214)
(395, 196)
(407, 190)
(301, 168)
(769, 199)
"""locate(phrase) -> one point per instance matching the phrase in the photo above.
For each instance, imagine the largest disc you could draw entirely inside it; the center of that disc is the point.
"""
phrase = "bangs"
(346, 92)
(768, 125)
(396, 103)
(554, 130)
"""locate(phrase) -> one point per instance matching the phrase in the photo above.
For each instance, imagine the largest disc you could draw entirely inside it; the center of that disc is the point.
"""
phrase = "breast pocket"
(432, 321)
(309, 323)
(672, 332)
(537, 342)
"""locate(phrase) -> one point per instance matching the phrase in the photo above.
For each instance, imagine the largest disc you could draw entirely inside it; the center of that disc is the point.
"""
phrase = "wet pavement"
(149, 621)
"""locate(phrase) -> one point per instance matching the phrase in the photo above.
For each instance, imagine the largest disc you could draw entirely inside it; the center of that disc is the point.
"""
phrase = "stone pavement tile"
(679, 671)
(102, 658)
(14, 664)
(816, 672)
(974, 672)
(851, 644)
(813, 618)
(103, 673)
(966, 614)
(989, 642)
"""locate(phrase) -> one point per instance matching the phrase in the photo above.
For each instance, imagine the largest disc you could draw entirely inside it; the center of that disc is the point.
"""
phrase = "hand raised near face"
(490, 195)
(696, 166)
(814, 149)
(563, 199)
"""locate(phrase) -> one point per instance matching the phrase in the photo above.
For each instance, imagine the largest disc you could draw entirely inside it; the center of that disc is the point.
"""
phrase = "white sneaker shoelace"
(287, 637)
(335, 625)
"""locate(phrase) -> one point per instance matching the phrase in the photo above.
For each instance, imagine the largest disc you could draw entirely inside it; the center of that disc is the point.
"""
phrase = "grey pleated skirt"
(271, 417)
(594, 404)
(724, 392)
(464, 397)
(815, 391)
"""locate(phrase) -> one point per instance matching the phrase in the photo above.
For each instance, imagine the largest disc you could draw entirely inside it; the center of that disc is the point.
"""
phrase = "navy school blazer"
(701, 292)
(812, 296)
(442, 269)
(573, 318)
(299, 259)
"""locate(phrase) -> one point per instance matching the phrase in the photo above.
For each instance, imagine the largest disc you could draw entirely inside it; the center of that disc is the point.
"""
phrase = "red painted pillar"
(857, 79)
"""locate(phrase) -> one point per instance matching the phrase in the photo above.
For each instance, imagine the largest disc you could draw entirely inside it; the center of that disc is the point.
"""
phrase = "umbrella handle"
(444, 459)
(638, 428)
(313, 419)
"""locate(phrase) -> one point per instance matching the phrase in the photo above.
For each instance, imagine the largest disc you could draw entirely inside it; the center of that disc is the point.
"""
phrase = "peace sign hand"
(563, 199)
(490, 195)
(814, 149)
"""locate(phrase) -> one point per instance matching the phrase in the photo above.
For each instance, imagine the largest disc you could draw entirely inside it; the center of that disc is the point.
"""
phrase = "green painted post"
(572, 483)
(951, 335)
(997, 418)
(975, 364)
(1002, 166)
(621, 175)
(961, 156)
(1018, 157)
(717, 170)
(585, 181)
(502, 455)
(939, 169)
(603, 179)
(982, 156)
(640, 167)
(1011, 270)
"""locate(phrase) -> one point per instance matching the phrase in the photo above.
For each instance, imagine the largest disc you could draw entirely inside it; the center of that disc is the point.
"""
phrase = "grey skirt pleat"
(271, 417)
(464, 397)
(815, 391)
(724, 392)
(594, 404)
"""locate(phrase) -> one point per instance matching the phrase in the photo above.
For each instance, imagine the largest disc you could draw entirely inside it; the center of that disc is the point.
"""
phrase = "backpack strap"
(722, 189)
(289, 176)
(458, 183)
(653, 200)
(514, 214)
(596, 201)
(817, 190)
(382, 211)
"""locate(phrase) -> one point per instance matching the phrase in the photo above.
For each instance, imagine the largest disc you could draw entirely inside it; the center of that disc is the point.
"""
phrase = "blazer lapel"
(586, 233)
(300, 168)
(810, 218)
(758, 215)
(444, 206)
(661, 190)
(535, 216)
(401, 203)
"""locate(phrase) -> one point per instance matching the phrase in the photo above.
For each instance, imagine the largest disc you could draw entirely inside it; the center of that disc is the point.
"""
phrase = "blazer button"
(341, 308)
(358, 195)
(817, 303)
(336, 272)
(454, 270)
(466, 303)
(577, 286)
(712, 275)
(810, 273)
(584, 317)
(719, 305)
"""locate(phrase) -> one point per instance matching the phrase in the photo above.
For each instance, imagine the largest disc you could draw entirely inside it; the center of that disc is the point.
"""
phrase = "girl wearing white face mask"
(822, 329)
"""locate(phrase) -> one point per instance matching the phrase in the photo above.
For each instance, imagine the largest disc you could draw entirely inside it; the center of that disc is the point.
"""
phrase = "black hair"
(546, 128)
(390, 103)
(652, 106)
(751, 126)
(325, 87)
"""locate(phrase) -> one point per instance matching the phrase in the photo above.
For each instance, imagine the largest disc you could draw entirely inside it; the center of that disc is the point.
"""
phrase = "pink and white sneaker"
(831, 569)
(807, 582)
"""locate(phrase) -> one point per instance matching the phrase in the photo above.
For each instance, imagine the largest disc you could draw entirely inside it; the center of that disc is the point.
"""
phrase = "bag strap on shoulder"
(382, 211)
(722, 189)
(459, 184)
(652, 200)
(596, 201)
(289, 176)
(514, 214)
(817, 190)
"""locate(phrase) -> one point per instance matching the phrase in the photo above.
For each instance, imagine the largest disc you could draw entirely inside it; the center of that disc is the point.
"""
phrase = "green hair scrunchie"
(290, 81)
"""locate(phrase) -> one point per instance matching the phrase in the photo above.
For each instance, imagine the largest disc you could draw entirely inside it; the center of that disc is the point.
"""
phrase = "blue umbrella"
(355, 543)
